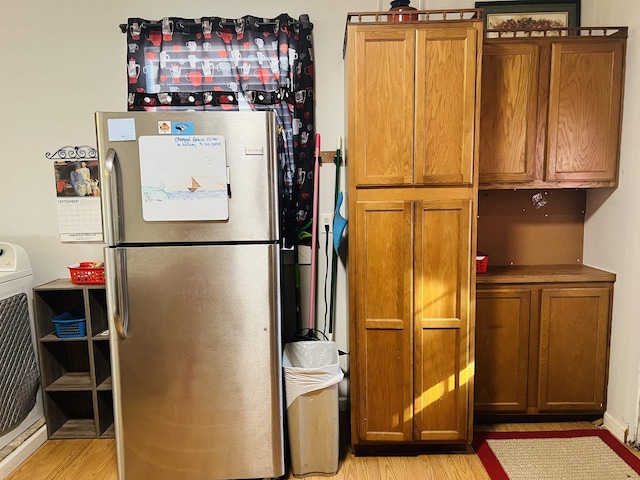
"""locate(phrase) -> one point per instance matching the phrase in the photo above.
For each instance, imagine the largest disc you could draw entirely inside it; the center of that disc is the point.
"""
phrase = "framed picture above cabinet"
(530, 14)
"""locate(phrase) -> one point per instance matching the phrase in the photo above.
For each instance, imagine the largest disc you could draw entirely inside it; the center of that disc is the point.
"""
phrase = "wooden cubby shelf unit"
(75, 372)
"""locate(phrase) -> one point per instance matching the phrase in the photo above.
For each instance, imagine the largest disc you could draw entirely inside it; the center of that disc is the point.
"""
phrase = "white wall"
(612, 230)
(62, 60)
(52, 81)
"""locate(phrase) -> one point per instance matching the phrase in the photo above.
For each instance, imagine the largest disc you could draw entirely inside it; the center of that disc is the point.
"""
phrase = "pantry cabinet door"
(442, 319)
(383, 297)
(446, 81)
(381, 102)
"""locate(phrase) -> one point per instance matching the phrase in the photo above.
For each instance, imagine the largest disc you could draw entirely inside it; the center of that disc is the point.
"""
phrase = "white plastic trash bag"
(309, 366)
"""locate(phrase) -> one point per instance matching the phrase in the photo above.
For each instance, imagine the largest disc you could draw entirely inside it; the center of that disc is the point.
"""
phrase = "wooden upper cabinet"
(508, 112)
(445, 105)
(551, 111)
(381, 119)
(585, 100)
(412, 91)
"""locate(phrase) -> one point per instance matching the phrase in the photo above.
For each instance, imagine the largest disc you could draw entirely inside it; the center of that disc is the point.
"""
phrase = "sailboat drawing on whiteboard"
(189, 188)
(194, 185)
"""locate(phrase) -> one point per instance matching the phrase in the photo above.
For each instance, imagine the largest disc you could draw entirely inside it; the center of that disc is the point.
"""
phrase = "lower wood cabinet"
(75, 370)
(574, 348)
(502, 349)
(411, 295)
(542, 340)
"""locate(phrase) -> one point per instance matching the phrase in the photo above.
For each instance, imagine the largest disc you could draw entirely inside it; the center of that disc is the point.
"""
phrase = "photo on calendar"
(77, 178)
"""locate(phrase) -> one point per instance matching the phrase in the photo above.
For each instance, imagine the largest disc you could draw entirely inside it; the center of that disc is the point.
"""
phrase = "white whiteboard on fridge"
(183, 178)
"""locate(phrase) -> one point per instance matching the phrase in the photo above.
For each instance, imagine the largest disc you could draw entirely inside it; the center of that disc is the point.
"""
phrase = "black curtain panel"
(250, 63)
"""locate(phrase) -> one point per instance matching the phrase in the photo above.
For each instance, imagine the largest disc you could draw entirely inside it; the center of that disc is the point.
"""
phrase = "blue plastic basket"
(70, 325)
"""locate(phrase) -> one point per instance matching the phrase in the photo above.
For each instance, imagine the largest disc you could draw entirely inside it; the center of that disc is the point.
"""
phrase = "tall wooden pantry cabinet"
(413, 110)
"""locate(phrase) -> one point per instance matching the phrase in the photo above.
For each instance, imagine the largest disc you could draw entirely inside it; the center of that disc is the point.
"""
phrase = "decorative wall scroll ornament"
(71, 153)
(249, 63)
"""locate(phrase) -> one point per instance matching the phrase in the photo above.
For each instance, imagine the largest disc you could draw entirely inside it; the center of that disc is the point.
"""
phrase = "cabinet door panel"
(508, 113)
(584, 111)
(381, 102)
(383, 304)
(445, 105)
(502, 350)
(573, 349)
(441, 385)
(442, 277)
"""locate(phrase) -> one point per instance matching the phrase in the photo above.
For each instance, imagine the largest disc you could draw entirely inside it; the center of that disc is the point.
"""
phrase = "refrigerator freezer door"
(250, 151)
(197, 369)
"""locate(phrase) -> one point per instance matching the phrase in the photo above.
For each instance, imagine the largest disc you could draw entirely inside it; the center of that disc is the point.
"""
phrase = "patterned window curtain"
(251, 63)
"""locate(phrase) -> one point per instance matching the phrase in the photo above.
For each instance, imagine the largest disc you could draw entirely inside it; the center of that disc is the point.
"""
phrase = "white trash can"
(312, 374)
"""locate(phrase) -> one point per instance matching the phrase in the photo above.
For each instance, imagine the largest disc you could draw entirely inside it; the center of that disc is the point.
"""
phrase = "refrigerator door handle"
(116, 298)
(110, 198)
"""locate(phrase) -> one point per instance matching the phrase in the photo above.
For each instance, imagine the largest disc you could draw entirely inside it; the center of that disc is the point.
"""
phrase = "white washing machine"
(18, 353)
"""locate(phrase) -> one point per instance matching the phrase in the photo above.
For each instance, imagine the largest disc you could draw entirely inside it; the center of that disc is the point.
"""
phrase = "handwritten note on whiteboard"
(183, 177)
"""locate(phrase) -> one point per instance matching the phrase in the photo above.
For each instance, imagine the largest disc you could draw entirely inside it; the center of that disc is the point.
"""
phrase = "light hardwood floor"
(96, 459)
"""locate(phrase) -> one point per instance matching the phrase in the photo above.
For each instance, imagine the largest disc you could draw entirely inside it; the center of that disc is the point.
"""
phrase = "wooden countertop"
(543, 274)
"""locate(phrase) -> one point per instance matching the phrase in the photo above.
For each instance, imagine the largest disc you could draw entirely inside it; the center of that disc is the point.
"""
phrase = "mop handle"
(314, 228)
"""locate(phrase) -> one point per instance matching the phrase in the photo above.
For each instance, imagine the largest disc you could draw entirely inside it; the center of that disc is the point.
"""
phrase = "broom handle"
(314, 239)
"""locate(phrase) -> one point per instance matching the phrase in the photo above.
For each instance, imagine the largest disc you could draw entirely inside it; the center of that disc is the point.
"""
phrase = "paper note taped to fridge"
(184, 178)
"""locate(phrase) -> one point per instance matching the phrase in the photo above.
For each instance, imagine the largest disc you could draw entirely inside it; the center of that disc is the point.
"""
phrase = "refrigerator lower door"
(197, 366)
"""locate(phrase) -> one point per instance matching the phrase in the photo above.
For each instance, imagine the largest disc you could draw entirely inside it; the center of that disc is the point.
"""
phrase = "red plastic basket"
(86, 272)
(482, 260)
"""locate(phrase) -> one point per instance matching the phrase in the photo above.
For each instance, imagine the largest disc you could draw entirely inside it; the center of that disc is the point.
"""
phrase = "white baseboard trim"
(20, 454)
(617, 428)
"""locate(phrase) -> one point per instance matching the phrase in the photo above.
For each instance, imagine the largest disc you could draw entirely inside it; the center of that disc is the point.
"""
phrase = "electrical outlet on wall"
(326, 219)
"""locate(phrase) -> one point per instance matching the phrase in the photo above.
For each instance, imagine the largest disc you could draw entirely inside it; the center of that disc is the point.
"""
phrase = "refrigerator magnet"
(121, 129)
(164, 128)
(182, 128)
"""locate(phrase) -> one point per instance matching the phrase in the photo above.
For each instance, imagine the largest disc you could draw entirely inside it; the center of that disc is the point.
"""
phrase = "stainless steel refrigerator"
(191, 223)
